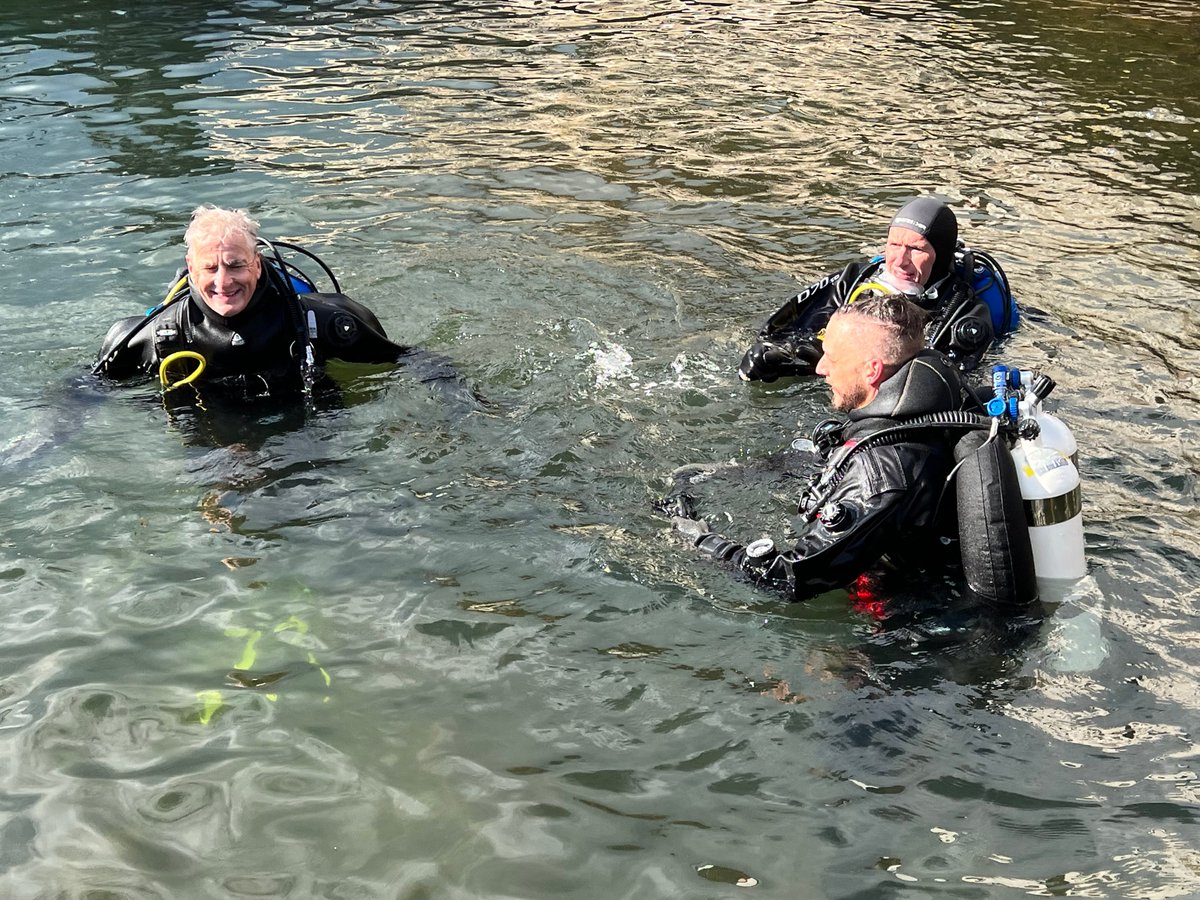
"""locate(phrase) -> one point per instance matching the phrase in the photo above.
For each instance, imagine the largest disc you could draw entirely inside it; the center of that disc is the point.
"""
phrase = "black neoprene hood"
(934, 221)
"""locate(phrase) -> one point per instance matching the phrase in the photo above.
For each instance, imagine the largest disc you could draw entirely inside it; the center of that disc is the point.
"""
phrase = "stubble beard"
(853, 399)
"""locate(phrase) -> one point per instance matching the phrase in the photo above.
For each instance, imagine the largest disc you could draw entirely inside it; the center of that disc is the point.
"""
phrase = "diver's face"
(844, 363)
(224, 272)
(908, 258)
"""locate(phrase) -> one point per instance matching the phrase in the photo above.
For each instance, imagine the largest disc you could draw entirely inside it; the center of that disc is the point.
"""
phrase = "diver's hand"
(768, 359)
(762, 361)
(692, 529)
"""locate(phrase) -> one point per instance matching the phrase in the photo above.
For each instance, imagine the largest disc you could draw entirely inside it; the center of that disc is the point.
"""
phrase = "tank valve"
(1042, 386)
(1028, 429)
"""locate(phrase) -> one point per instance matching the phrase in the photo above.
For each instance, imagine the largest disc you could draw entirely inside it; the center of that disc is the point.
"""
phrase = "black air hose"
(895, 435)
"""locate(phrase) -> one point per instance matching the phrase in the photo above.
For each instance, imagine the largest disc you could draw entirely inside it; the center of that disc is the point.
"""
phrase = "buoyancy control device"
(993, 538)
(991, 286)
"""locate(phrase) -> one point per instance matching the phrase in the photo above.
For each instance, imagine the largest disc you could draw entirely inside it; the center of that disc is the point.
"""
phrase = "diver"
(250, 324)
(879, 489)
(965, 293)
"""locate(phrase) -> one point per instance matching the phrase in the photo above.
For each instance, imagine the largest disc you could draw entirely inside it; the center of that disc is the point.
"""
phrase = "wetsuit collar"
(925, 384)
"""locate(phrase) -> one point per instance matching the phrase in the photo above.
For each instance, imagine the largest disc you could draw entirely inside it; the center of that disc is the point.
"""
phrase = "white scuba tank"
(1048, 473)
(1053, 432)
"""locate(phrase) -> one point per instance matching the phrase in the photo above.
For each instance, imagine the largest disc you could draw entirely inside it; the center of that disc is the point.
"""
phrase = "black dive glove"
(759, 559)
(769, 359)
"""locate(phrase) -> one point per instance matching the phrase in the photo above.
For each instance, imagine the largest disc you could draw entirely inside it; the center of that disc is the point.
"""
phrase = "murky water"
(390, 650)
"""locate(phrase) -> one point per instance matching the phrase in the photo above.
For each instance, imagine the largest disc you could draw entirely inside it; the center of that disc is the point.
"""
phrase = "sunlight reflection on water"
(507, 679)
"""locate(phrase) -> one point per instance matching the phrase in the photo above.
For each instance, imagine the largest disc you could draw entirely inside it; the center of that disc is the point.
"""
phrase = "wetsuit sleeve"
(124, 351)
(857, 524)
(349, 331)
(789, 342)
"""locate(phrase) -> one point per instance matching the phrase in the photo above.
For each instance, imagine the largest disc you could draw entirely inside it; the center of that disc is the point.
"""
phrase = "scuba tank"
(1017, 488)
(1045, 456)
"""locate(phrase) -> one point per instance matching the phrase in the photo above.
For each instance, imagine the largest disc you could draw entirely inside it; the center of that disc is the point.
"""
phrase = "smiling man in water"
(259, 330)
(919, 261)
(223, 264)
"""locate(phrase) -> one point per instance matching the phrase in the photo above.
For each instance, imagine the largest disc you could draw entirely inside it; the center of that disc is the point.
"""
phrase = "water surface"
(391, 650)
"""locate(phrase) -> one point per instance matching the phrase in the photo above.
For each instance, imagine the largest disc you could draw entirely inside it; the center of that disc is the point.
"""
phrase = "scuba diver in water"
(252, 325)
(965, 293)
(880, 487)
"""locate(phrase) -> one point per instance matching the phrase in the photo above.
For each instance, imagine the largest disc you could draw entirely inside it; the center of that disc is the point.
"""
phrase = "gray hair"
(215, 222)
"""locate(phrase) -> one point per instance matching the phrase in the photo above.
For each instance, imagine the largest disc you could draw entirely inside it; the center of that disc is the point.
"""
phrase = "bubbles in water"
(611, 362)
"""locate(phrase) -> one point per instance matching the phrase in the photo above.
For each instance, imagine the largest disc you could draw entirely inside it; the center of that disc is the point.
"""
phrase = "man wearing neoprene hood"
(964, 294)
(243, 323)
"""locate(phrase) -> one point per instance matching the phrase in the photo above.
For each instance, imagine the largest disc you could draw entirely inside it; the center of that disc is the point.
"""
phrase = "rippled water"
(396, 651)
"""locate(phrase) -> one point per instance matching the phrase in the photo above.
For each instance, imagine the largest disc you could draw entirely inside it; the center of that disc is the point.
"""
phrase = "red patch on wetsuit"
(864, 598)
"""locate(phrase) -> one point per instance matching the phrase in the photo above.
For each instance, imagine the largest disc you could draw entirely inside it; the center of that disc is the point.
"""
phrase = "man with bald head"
(873, 497)
(918, 261)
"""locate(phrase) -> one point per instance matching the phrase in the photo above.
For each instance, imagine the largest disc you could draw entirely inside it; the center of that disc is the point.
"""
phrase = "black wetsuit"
(788, 344)
(258, 352)
(881, 500)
